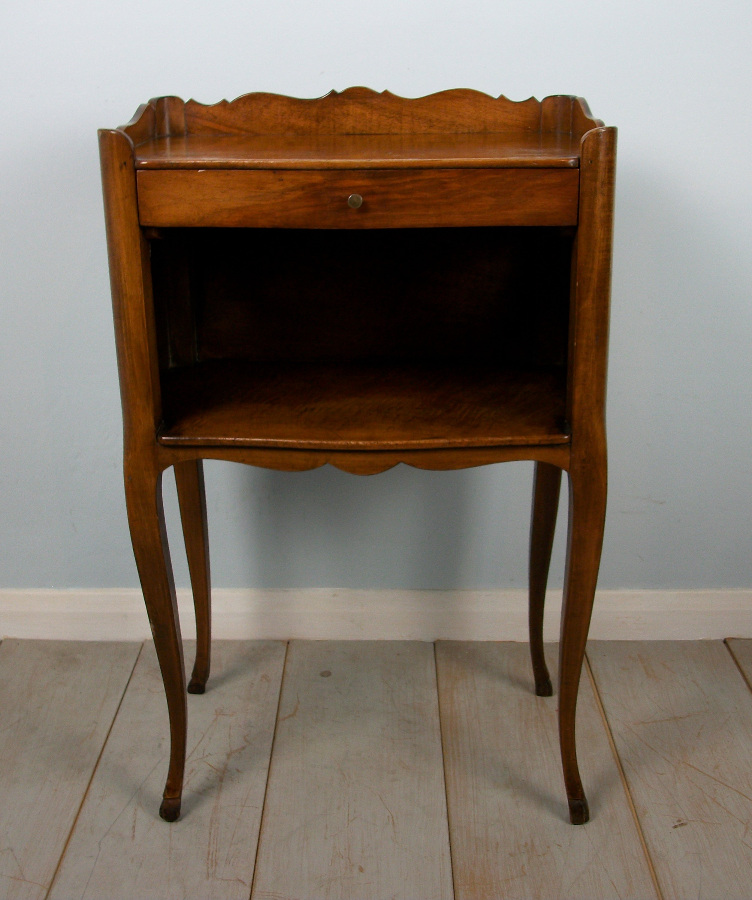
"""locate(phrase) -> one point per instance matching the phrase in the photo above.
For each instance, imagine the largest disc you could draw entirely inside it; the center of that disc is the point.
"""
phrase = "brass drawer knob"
(354, 201)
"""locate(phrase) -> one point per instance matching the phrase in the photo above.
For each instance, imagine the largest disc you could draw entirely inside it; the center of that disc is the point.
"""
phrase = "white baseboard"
(317, 614)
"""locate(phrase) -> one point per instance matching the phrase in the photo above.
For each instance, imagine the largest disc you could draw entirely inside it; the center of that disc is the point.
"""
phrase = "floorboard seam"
(269, 770)
(443, 769)
(625, 783)
(738, 664)
(93, 773)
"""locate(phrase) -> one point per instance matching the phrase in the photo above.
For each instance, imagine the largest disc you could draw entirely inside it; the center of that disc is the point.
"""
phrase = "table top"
(360, 129)
(358, 151)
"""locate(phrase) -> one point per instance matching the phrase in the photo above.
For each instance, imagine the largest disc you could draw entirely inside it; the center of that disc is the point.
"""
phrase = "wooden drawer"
(411, 198)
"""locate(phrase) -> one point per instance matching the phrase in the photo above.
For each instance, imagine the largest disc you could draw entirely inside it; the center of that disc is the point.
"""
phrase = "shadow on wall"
(405, 528)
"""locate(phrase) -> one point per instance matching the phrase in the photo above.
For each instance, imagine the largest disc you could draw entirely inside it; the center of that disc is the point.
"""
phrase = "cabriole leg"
(543, 524)
(143, 493)
(587, 513)
(189, 478)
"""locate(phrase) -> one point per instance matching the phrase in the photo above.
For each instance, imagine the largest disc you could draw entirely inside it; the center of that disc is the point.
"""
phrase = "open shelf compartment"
(391, 339)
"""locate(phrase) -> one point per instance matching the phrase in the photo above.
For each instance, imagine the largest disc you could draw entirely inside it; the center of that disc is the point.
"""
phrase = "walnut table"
(362, 280)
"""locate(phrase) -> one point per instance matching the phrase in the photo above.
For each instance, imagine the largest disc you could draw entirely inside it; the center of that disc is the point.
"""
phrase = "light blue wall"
(675, 78)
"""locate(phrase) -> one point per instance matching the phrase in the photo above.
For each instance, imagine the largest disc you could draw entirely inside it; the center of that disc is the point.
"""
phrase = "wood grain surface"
(418, 198)
(360, 110)
(681, 717)
(358, 151)
(509, 826)
(57, 703)
(355, 807)
(360, 407)
(120, 848)
(357, 111)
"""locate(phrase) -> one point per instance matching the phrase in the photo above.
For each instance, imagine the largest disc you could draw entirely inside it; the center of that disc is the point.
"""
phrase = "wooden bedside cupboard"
(362, 280)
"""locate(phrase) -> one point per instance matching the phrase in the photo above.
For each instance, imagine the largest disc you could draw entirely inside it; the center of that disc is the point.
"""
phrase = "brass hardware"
(354, 201)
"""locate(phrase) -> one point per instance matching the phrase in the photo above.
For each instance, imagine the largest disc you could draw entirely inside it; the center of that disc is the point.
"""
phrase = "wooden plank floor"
(118, 844)
(376, 770)
(511, 835)
(681, 720)
(57, 703)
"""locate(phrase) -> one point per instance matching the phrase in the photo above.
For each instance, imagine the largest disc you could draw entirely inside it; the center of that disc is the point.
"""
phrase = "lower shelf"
(365, 407)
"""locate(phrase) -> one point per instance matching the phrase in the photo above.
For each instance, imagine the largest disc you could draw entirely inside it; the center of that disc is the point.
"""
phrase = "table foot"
(579, 812)
(170, 809)
(196, 686)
